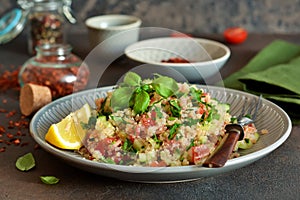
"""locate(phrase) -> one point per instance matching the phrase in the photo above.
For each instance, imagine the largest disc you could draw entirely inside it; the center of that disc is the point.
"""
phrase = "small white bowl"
(206, 57)
(103, 27)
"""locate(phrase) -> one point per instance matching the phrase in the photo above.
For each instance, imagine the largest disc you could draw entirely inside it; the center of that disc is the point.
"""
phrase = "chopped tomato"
(197, 153)
(201, 109)
(104, 145)
(235, 35)
(147, 121)
(158, 164)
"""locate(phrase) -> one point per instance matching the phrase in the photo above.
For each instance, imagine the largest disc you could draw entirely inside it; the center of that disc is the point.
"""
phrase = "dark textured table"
(276, 176)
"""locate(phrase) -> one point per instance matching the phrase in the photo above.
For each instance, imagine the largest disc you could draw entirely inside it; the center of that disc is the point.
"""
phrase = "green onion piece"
(173, 130)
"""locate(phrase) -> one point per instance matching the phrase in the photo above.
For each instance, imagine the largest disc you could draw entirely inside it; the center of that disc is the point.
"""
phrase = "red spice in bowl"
(175, 60)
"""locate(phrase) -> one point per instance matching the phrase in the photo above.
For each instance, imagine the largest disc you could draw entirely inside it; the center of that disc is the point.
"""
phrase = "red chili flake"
(2, 149)
(175, 60)
(2, 129)
(10, 124)
(16, 141)
(17, 124)
(11, 113)
(9, 135)
(9, 80)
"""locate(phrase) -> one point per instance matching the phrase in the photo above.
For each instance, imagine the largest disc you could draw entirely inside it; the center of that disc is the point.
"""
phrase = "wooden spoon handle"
(220, 157)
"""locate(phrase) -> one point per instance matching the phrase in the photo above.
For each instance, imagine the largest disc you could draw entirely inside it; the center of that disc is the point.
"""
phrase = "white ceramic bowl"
(103, 27)
(206, 57)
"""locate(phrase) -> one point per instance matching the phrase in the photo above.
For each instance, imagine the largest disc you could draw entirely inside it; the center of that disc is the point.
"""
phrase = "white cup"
(101, 28)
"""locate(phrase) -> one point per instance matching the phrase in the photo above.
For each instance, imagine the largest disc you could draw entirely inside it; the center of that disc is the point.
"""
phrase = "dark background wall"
(197, 16)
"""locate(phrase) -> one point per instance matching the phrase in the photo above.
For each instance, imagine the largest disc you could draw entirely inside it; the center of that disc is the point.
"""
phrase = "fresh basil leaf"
(50, 180)
(165, 86)
(132, 79)
(141, 102)
(162, 90)
(25, 162)
(147, 88)
(121, 98)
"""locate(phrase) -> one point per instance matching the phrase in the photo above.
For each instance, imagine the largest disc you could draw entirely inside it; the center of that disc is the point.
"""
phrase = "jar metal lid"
(11, 24)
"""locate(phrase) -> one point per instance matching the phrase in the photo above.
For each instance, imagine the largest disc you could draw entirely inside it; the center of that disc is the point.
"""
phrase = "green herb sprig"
(133, 93)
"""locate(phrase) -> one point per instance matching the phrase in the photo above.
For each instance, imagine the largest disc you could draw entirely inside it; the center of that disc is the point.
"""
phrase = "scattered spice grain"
(9, 80)
(12, 129)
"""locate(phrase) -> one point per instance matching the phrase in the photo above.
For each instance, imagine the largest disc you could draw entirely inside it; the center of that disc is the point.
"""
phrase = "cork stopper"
(33, 97)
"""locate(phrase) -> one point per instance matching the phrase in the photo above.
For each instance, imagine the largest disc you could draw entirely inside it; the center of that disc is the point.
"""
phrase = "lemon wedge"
(68, 133)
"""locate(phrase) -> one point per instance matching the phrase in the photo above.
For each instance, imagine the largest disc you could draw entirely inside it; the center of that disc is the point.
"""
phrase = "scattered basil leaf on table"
(50, 180)
(25, 162)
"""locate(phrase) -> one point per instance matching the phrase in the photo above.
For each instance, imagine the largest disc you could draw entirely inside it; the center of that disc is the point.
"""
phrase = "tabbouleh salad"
(158, 122)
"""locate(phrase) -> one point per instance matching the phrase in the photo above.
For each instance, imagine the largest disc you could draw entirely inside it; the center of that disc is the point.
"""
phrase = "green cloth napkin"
(275, 73)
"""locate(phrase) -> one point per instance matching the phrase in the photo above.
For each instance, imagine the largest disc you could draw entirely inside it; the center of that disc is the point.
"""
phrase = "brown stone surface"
(276, 176)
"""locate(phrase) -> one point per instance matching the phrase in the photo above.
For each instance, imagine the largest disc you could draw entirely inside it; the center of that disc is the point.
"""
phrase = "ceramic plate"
(270, 117)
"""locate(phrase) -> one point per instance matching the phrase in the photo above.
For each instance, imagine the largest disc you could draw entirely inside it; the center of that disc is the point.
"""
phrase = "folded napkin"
(275, 73)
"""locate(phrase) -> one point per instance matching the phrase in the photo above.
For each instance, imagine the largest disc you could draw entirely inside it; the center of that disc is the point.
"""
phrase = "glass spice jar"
(46, 22)
(56, 67)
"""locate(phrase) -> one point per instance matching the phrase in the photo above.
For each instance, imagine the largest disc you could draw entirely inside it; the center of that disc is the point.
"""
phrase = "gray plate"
(270, 117)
